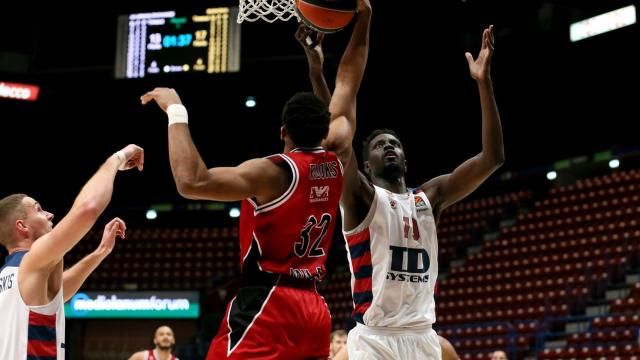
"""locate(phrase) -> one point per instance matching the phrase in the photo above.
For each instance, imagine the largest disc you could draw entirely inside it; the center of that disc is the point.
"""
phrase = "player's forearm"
(492, 143)
(74, 277)
(187, 166)
(96, 193)
(343, 102)
(320, 87)
(354, 60)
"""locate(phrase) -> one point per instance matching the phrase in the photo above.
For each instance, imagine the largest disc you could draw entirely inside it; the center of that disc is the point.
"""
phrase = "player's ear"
(367, 167)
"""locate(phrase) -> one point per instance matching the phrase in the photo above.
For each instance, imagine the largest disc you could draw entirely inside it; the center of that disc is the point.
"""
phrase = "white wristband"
(122, 158)
(177, 114)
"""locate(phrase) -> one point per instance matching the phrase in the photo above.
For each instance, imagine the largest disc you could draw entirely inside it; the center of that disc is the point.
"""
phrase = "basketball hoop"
(267, 10)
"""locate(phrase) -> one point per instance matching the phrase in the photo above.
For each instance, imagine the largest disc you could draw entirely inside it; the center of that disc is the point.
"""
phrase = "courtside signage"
(19, 91)
(133, 305)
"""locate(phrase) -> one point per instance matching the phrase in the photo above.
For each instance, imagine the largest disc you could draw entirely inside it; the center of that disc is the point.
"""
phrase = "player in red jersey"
(163, 340)
(289, 210)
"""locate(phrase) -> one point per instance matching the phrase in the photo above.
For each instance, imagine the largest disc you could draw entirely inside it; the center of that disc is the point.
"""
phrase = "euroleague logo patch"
(420, 203)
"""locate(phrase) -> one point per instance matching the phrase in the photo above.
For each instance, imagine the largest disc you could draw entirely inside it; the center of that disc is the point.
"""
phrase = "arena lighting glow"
(251, 102)
(603, 23)
(152, 214)
(552, 175)
(614, 163)
(234, 212)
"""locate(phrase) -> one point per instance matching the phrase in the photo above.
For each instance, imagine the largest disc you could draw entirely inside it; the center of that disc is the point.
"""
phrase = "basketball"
(326, 15)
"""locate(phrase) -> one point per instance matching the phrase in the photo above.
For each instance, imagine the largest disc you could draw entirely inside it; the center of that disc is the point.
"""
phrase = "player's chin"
(393, 168)
(392, 164)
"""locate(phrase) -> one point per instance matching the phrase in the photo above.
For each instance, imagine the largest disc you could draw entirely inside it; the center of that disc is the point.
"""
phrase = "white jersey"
(393, 255)
(28, 332)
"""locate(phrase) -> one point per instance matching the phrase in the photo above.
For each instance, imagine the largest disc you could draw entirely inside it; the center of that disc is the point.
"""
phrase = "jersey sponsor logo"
(6, 282)
(328, 170)
(407, 262)
(408, 278)
(319, 193)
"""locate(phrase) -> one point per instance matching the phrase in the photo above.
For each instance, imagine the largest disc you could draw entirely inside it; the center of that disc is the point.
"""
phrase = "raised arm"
(94, 197)
(258, 178)
(447, 189)
(357, 194)
(74, 277)
(315, 58)
(350, 72)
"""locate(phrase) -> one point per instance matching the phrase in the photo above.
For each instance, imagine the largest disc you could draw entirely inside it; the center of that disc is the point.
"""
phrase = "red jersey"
(292, 234)
(151, 355)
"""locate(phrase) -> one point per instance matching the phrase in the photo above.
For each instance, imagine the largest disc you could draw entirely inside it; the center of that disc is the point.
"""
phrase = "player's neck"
(395, 185)
(163, 354)
(16, 249)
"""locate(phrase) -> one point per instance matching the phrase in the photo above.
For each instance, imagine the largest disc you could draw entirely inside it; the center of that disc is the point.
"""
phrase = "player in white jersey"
(313, 51)
(33, 286)
(390, 229)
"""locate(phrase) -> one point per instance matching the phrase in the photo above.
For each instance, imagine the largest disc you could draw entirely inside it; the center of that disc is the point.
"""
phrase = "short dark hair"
(11, 209)
(374, 133)
(306, 119)
(339, 332)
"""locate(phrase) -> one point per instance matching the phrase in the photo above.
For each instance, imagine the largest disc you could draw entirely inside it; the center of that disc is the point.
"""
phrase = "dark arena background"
(543, 261)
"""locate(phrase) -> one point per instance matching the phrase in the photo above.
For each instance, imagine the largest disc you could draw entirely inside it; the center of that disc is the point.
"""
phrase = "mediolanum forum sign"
(133, 305)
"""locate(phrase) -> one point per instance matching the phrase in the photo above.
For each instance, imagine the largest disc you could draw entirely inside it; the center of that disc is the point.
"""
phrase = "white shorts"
(380, 343)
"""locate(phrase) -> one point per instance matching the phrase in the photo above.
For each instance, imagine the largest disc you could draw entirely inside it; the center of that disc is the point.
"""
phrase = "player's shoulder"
(266, 166)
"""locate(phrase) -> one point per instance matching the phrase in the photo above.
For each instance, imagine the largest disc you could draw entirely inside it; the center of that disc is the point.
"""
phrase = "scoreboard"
(167, 42)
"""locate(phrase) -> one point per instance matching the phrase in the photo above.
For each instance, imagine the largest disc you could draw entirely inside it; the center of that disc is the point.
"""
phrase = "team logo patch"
(319, 193)
(420, 203)
(393, 203)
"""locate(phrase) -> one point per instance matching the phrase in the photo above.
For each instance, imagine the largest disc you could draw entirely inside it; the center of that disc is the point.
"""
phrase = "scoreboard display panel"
(166, 42)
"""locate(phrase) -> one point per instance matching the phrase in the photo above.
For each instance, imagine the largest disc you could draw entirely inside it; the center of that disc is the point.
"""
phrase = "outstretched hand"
(134, 157)
(162, 96)
(115, 227)
(480, 67)
(363, 5)
(312, 47)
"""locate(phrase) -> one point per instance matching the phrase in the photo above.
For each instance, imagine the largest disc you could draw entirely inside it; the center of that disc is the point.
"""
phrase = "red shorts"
(283, 322)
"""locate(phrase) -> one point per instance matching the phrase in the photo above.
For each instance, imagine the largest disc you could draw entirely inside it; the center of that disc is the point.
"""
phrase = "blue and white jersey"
(28, 332)
(393, 255)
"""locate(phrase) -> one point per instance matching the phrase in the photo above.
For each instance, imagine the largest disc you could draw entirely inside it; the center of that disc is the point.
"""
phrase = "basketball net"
(267, 10)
